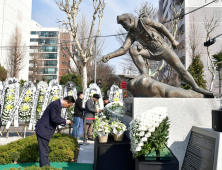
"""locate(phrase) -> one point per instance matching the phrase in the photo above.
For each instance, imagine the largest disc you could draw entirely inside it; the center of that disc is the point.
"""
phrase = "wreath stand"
(7, 134)
(26, 125)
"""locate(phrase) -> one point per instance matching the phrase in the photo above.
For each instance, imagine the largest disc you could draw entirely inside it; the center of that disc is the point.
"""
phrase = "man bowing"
(45, 128)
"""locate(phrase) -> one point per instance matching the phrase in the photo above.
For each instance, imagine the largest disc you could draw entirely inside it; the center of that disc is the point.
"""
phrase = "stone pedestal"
(183, 113)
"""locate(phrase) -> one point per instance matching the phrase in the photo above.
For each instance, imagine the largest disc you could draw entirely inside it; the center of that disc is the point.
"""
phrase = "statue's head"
(126, 20)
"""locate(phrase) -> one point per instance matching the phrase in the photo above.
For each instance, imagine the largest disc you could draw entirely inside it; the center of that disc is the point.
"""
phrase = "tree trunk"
(84, 76)
(213, 78)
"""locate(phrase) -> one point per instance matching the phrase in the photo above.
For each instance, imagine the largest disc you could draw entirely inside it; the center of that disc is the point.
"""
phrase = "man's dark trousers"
(43, 151)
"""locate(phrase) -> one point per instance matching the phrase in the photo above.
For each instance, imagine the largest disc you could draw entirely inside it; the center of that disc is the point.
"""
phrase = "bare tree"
(16, 54)
(210, 26)
(172, 77)
(35, 66)
(84, 54)
(194, 40)
(70, 49)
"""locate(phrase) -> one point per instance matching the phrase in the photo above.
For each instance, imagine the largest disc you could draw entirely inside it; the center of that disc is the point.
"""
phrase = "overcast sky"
(46, 13)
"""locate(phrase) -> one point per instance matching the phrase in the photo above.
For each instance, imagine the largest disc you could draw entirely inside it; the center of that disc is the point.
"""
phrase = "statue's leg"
(173, 60)
(138, 60)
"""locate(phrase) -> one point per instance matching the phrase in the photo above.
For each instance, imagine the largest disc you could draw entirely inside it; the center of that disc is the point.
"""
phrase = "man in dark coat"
(45, 128)
(90, 110)
(78, 113)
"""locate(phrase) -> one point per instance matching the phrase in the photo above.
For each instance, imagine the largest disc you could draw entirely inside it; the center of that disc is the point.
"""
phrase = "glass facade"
(50, 56)
(45, 33)
(49, 71)
(48, 34)
(46, 55)
(48, 48)
(49, 77)
(49, 63)
(44, 41)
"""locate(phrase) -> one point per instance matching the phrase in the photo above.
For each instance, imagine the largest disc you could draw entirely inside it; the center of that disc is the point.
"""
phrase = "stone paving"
(86, 153)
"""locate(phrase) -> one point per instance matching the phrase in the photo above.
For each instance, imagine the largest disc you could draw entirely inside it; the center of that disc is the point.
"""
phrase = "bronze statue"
(152, 46)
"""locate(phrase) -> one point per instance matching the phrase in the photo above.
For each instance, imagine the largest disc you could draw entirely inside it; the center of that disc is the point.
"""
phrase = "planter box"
(164, 155)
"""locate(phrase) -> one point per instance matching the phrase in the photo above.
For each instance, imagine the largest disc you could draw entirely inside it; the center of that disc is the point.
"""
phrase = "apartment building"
(49, 45)
(186, 25)
(15, 14)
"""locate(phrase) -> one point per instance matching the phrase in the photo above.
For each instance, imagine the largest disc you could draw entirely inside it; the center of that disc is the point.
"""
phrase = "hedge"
(61, 149)
(37, 168)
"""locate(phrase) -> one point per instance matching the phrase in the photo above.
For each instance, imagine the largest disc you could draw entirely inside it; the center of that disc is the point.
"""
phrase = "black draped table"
(113, 155)
(142, 164)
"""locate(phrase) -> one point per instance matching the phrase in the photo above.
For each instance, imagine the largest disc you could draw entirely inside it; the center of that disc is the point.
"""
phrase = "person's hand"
(105, 58)
(175, 44)
(97, 111)
(68, 122)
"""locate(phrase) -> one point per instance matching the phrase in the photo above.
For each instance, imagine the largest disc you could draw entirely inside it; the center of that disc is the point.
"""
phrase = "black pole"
(84, 130)
(219, 82)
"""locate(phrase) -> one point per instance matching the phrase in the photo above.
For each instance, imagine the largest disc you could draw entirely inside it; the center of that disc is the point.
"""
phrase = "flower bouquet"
(40, 102)
(114, 111)
(101, 129)
(55, 92)
(118, 130)
(9, 104)
(26, 106)
(149, 132)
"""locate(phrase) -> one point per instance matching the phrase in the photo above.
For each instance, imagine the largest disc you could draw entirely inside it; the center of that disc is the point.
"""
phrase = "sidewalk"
(4, 140)
(86, 153)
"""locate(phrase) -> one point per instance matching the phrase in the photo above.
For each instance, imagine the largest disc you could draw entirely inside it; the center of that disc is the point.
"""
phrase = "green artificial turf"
(64, 165)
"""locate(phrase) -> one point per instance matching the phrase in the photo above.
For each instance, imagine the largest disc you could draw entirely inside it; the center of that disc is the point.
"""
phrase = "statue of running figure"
(149, 34)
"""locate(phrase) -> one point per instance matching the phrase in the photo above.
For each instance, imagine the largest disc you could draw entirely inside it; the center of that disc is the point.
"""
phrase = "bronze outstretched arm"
(121, 51)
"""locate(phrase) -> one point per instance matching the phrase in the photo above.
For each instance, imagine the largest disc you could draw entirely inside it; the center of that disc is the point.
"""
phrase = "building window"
(64, 56)
(48, 49)
(49, 71)
(63, 70)
(63, 63)
(34, 32)
(50, 56)
(48, 34)
(33, 40)
(49, 63)
(49, 77)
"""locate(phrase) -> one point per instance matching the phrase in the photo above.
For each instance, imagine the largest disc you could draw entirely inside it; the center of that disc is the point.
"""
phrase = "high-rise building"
(188, 23)
(48, 44)
(15, 14)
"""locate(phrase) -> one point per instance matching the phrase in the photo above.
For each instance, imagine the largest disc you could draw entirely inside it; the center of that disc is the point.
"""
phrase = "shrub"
(35, 167)
(61, 146)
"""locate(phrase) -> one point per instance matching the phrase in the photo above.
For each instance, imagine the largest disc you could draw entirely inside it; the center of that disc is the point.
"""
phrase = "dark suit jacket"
(50, 119)
(90, 110)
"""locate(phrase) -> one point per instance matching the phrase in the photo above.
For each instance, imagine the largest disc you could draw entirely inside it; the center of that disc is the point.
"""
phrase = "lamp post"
(95, 62)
